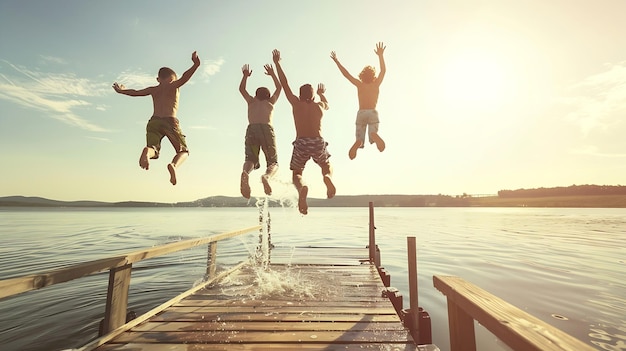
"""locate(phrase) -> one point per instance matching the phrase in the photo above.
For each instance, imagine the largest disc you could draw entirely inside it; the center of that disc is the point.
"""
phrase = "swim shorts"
(260, 136)
(306, 148)
(366, 119)
(159, 127)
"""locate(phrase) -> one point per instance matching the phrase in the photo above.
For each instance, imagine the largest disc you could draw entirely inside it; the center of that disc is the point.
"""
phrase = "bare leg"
(269, 173)
(330, 187)
(380, 143)
(244, 185)
(176, 162)
(352, 153)
(146, 154)
(327, 172)
(303, 191)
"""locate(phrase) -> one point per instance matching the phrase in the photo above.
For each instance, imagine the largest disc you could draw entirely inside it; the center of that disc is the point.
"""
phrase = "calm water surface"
(565, 266)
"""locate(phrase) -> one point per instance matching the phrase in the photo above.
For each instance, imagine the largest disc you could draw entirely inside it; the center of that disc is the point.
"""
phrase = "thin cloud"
(211, 67)
(136, 80)
(57, 94)
(52, 59)
(599, 101)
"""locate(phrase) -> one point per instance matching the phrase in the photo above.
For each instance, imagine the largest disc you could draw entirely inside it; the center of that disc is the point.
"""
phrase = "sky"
(479, 95)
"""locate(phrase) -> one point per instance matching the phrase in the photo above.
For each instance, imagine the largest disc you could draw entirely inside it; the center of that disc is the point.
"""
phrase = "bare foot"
(302, 205)
(266, 184)
(244, 186)
(330, 187)
(352, 152)
(143, 159)
(172, 169)
(380, 143)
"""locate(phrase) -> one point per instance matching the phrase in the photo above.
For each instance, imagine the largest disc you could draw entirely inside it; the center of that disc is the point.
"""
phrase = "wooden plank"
(220, 337)
(364, 303)
(261, 347)
(168, 316)
(516, 328)
(259, 326)
(212, 310)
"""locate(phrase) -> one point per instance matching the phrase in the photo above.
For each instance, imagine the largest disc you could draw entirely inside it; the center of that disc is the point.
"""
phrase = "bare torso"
(165, 100)
(308, 119)
(368, 95)
(260, 111)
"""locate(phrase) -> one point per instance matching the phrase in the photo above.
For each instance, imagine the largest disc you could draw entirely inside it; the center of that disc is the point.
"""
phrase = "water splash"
(262, 253)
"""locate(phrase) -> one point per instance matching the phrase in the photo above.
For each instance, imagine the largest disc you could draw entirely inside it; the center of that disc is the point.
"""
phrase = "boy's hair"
(166, 72)
(262, 93)
(306, 92)
(368, 74)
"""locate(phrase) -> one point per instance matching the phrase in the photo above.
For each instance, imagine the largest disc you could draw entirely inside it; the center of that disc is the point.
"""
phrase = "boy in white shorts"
(368, 89)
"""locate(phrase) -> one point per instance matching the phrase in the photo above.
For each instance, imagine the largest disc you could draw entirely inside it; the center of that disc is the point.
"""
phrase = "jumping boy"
(260, 133)
(163, 121)
(367, 87)
(307, 116)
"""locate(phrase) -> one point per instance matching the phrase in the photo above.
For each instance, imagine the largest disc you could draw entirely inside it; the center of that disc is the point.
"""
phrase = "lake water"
(565, 266)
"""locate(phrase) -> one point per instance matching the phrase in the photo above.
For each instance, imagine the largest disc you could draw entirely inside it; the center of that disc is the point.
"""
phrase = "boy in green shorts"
(260, 133)
(164, 122)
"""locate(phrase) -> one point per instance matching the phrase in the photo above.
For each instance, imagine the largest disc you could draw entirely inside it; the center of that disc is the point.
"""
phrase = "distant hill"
(572, 196)
(226, 201)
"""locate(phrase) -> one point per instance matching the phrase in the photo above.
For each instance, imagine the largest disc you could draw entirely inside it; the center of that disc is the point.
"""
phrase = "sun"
(474, 79)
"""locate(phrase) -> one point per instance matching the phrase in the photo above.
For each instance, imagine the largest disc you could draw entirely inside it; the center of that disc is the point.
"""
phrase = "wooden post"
(117, 298)
(462, 335)
(414, 314)
(211, 263)
(372, 243)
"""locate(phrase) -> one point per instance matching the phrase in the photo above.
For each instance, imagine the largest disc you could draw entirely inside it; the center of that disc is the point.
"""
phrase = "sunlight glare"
(474, 79)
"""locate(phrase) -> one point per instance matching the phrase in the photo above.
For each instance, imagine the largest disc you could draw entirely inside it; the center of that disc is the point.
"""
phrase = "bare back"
(308, 118)
(165, 99)
(260, 111)
(368, 95)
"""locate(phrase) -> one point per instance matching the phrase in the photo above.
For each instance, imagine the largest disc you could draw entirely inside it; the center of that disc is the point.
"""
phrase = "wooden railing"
(119, 274)
(516, 328)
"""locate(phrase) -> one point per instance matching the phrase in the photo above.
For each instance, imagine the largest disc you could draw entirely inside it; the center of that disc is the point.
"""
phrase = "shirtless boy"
(163, 122)
(307, 116)
(260, 133)
(367, 87)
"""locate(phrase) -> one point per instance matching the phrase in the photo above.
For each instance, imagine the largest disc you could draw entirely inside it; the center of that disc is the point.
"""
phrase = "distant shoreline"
(574, 201)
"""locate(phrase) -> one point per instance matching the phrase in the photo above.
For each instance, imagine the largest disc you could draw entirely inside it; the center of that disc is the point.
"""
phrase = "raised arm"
(188, 73)
(282, 78)
(269, 70)
(380, 49)
(244, 79)
(321, 89)
(343, 70)
(120, 88)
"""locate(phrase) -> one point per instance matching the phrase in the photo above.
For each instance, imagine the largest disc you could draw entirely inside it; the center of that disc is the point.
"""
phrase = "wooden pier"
(337, 304)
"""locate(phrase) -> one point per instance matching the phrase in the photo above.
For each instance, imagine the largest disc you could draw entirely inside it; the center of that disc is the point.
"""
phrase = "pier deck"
(322, 299)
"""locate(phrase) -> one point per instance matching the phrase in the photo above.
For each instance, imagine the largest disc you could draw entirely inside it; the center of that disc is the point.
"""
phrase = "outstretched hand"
(321, 89)
(247, 72)
(275, 56)
(269, 70)
(195, 58)
(380, 48)
(333, 56)
(118, 87)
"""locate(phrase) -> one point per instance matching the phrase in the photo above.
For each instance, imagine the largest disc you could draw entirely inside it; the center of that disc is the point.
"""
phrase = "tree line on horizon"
(572, 190)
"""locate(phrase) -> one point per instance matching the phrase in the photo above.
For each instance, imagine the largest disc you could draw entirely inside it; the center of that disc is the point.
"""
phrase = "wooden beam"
(516, 328)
